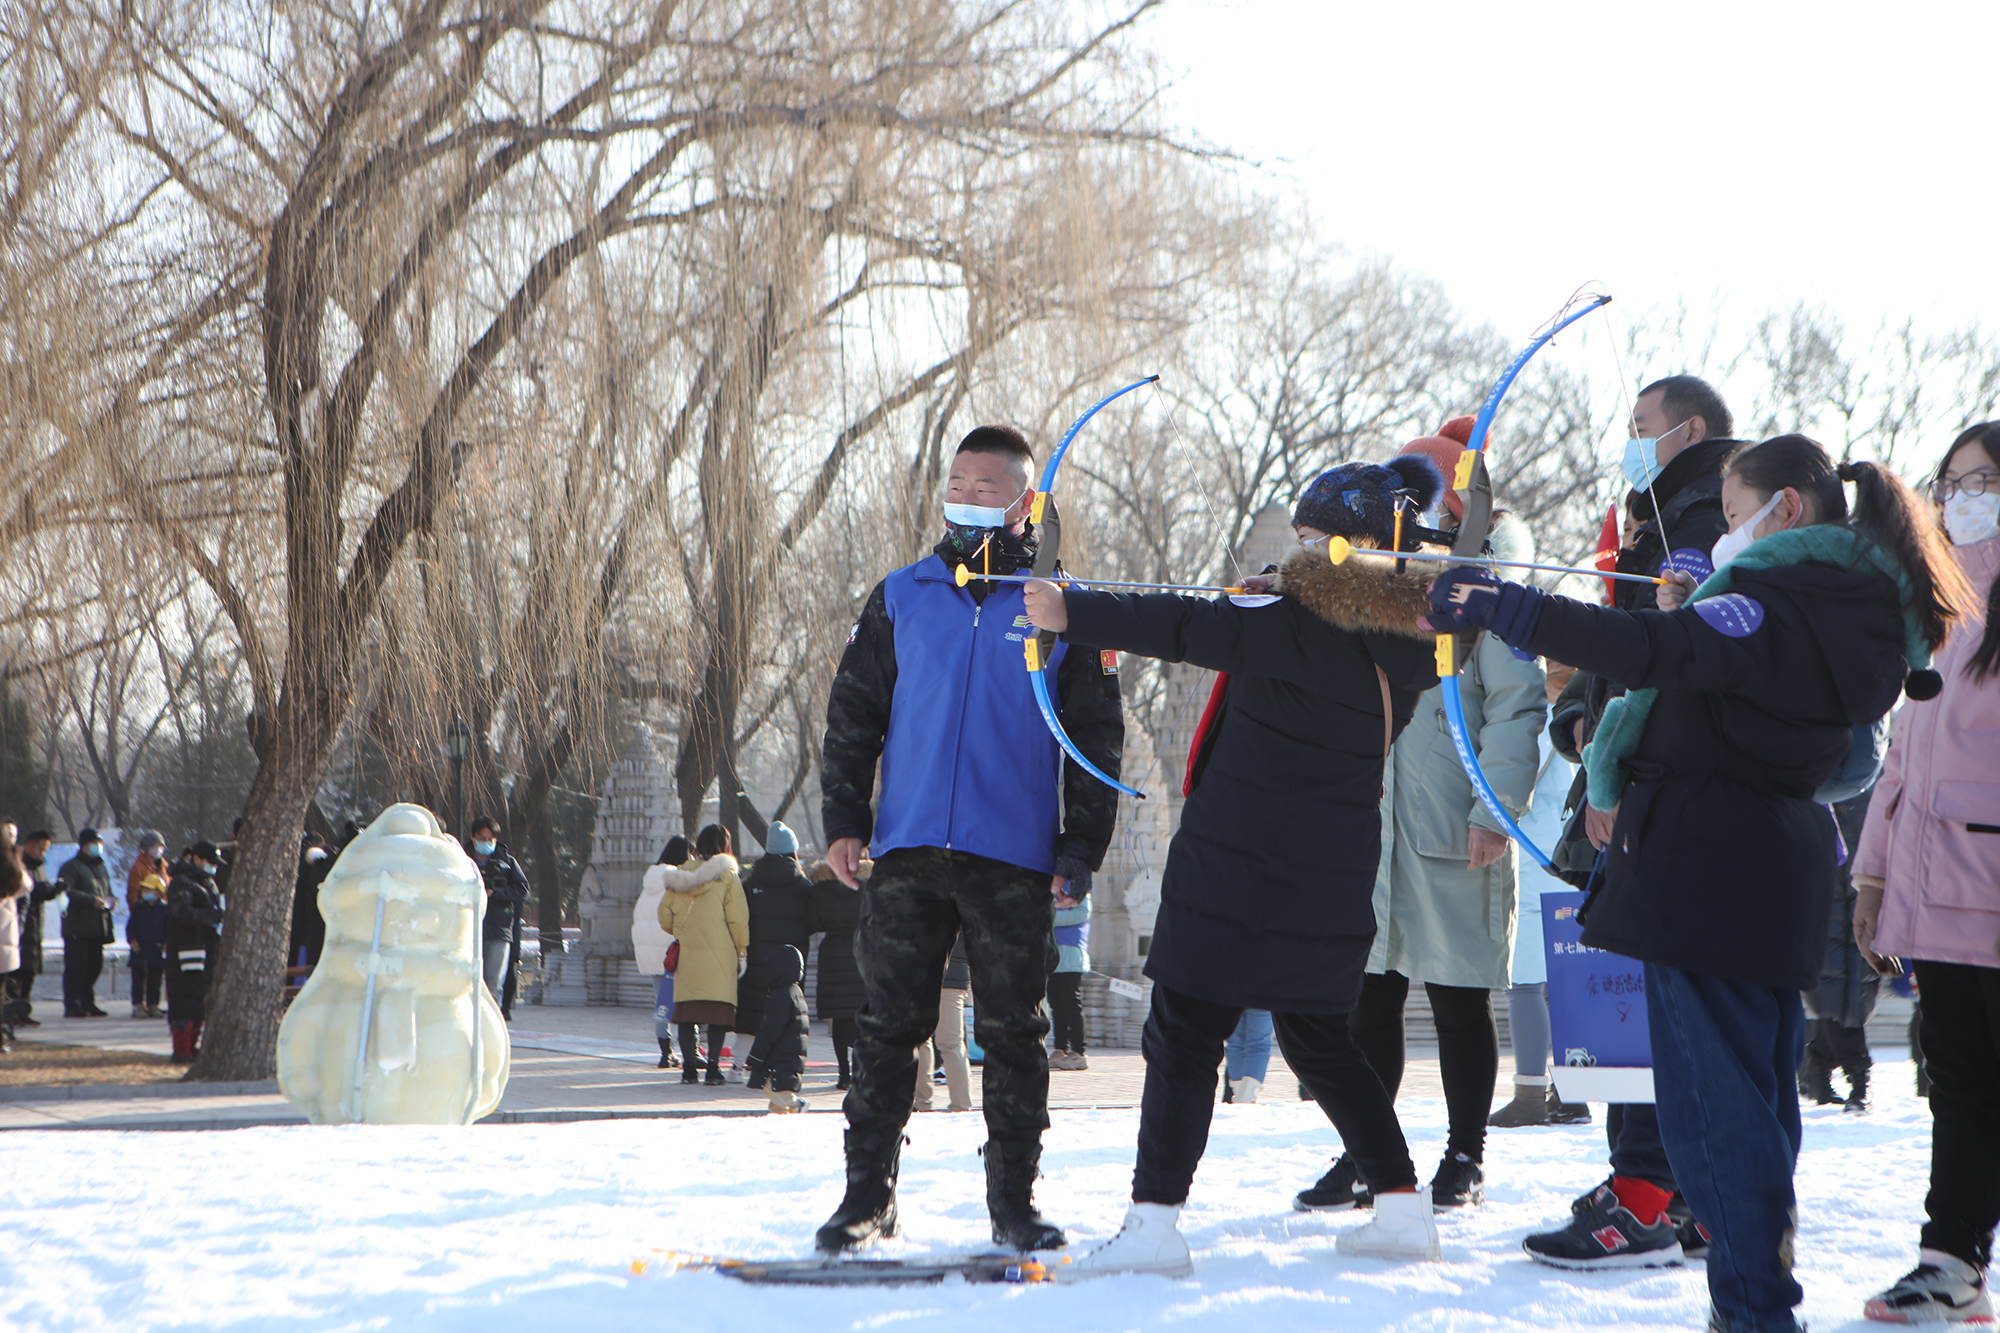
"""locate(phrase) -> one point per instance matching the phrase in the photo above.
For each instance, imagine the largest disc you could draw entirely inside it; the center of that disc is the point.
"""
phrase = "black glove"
(1467, 597)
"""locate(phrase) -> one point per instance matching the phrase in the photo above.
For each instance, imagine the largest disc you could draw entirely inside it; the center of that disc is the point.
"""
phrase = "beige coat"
(14, 900)
(704, 908)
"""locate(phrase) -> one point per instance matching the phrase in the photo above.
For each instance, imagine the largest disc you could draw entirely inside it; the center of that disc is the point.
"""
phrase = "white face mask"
(1972, 518)
(1735, 541)
(978, 516)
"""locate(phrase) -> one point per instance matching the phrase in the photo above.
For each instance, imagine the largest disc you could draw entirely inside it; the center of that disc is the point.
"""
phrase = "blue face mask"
(485, 848)
(1641, 465)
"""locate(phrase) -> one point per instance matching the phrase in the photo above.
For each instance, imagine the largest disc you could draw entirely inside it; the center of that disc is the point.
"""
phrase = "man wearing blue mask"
(1673, 462)
(86, 924)
(506, 890)
(979, 823)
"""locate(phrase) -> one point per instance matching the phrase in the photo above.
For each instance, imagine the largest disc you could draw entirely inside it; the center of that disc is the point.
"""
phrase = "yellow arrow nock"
(963, 576)
(1338, 549)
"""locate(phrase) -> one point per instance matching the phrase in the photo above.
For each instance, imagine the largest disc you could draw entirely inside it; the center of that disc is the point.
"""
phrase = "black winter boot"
(1011, 1169)
(1857, 1100)
(1816, 1079)
(667, 1057)
(868, 1209)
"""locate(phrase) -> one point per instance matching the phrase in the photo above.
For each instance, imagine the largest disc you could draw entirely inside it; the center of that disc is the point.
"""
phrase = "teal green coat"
(1436, 919)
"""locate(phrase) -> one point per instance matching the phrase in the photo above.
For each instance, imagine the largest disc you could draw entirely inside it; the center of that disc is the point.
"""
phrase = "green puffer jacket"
(1437, 920)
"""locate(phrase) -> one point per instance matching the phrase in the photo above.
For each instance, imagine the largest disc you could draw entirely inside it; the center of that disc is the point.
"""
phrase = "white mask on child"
(1735, 541)
(1972, 518)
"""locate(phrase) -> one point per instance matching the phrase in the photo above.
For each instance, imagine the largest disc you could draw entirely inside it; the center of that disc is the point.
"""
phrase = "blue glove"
(1467, 597)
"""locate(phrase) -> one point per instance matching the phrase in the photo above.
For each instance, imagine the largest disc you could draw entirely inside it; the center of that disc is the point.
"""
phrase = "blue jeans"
(1249, 1047)
(493, 958)
(663, 1007)
(1725, 1075)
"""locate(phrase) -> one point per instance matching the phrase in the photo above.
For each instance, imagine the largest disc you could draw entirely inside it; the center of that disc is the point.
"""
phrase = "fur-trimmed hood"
(692, 877)
(1363, 593)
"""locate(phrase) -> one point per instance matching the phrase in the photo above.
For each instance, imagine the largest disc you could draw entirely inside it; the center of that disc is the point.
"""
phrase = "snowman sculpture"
(395, 1026)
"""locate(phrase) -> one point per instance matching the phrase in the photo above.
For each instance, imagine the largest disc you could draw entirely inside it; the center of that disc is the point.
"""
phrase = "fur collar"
(686, 879)
(1363, 594)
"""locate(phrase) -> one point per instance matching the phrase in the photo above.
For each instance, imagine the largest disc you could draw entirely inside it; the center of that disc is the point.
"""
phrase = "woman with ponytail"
(1927, 872)
(1716, 862)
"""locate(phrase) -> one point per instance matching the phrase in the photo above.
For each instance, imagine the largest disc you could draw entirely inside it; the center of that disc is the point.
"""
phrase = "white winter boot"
(1245, 1090)
(1404, 1228)
(1150, 1241)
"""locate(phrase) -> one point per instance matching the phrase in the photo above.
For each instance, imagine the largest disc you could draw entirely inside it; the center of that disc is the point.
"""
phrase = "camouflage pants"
(915, 905)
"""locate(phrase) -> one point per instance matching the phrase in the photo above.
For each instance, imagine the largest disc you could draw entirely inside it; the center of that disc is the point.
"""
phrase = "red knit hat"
(1444, 449)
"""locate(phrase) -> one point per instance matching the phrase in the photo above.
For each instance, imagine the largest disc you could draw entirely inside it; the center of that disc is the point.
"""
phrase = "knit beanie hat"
(1444, 449)
(781, 841)
(1359, 499)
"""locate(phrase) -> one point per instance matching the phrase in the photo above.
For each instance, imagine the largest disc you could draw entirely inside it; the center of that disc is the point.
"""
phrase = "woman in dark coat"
(838, 992)
(782, 916)
(1741, 703)
(1268, 897)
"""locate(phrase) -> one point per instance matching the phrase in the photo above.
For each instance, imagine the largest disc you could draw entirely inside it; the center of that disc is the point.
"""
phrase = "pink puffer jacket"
(1933, 830)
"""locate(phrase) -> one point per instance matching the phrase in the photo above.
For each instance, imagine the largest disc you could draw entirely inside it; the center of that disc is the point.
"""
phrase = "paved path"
(568, 1064)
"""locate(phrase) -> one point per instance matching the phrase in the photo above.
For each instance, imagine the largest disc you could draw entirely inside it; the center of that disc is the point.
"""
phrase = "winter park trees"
(550, 365)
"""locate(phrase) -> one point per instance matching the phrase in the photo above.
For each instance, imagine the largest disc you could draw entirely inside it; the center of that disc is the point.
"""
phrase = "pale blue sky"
(1753, 153)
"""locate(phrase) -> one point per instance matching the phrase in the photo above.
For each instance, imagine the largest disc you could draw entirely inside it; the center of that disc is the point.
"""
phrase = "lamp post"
(456, 741)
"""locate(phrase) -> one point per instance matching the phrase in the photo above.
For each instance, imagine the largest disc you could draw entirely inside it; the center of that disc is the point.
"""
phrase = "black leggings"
(691, 1052)
(844, 1033)
(1183, 1044)
(1066, 1010)
(1468, 1048)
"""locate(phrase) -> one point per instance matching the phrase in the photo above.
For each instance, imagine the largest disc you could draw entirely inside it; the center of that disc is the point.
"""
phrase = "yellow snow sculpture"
(395, 1026)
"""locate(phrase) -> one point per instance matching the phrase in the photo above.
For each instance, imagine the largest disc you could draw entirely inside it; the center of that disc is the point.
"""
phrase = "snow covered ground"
(536, 1227)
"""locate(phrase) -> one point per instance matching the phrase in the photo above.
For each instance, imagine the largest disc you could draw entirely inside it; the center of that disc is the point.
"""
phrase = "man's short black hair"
(483, 822)
(999, 440)
(1685, 396)
(40, 835)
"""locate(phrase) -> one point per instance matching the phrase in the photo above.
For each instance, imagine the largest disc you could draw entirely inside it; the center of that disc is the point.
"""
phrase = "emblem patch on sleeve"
(1108, 659)
(1732, 614)
(853, 632)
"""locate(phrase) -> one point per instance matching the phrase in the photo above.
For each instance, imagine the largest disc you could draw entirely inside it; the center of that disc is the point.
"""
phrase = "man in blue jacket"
(981, 821)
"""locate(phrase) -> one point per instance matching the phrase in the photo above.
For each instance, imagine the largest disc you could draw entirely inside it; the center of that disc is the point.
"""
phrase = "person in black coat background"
(1267, 901)
(778, 1056)
(837, 991)
(194, 928)
(1840, 1006)
(1741, 703)
(308, 935)
(782, 916)
(506, 892)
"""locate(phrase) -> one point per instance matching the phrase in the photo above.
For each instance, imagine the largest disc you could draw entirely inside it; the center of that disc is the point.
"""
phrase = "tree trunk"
(548, 888)
(245, 998)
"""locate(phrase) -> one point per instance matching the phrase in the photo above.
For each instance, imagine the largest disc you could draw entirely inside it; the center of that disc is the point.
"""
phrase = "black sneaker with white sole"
(1339, 1190)
(1603, 1233)
(1459, 1183)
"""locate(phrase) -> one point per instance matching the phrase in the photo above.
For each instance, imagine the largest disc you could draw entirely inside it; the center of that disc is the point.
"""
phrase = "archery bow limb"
(1475, 489)
(1039, 647)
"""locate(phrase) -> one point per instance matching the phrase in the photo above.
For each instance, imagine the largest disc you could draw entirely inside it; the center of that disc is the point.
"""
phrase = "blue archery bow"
(1476, 490)
(1040, 647)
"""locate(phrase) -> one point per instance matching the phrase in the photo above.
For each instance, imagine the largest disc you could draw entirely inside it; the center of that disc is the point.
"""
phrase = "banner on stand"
(1597, 1012)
